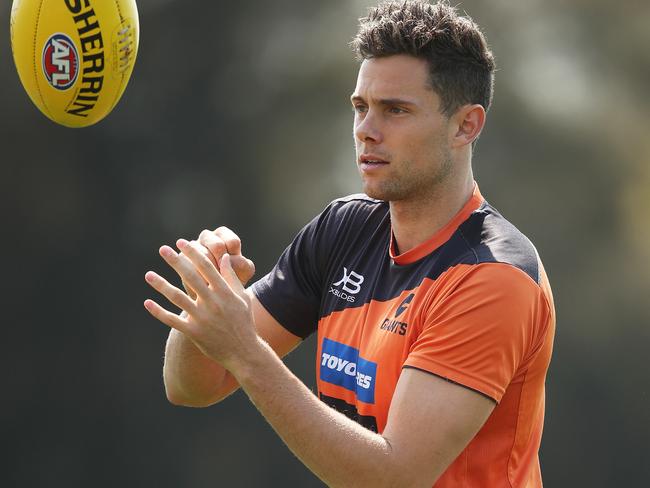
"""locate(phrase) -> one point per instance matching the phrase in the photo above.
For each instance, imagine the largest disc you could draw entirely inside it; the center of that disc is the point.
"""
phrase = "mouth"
(371, 161)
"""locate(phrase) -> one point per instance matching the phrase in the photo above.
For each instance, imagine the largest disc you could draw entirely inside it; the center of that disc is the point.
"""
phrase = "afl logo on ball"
(60, 61)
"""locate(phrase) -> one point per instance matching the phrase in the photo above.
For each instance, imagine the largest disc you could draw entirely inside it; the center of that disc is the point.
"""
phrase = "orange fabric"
(488, 327)
(477, 332)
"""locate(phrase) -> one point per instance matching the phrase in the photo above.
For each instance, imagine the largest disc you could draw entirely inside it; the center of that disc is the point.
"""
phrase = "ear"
(468, 121)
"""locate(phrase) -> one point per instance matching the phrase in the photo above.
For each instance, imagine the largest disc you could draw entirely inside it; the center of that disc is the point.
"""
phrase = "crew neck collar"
(440, 237)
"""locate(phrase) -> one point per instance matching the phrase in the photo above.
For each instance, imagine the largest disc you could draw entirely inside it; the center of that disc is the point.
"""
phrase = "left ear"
(468, 122)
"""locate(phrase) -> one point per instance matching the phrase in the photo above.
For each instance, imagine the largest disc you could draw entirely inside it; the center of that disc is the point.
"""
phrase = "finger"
(173, 294)
(188, 289)
(230, 276)
(245, 268)
(215, 245)
(202, 264)
(198, 248)
(185, 269)
(166, 317)
(223, 240)
(207, 253)
(230, 239)
(205, 250)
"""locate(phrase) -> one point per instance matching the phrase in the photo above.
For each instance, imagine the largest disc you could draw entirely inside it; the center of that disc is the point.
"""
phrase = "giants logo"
(351, 285)
(60, 61)
(341, 365)
(394, 325)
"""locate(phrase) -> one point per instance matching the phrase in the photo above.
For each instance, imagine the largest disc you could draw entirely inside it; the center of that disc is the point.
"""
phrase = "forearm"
(338, 450)
(191, 378)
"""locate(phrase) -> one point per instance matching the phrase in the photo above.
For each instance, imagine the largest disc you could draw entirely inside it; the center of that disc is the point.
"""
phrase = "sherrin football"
(74, 57)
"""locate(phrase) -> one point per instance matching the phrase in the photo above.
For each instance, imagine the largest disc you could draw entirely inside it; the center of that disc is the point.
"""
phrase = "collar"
(440, 237)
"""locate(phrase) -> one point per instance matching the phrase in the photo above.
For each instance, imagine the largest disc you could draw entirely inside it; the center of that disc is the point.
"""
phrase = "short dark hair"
(461, 66)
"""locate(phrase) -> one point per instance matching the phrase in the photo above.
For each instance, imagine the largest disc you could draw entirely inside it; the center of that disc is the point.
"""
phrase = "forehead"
(396, 76)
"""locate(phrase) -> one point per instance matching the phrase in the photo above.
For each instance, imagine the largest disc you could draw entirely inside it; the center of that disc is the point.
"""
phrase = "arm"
(194, 380)
(191, 378)
(430, 419)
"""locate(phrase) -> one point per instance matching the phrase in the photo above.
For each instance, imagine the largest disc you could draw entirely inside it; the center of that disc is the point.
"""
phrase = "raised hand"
(216, 243)
(224, 241)
(218, 319)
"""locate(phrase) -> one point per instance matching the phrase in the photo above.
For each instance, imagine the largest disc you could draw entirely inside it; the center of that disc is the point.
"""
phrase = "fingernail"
(166, 251)
(149, 276)
(181, 243)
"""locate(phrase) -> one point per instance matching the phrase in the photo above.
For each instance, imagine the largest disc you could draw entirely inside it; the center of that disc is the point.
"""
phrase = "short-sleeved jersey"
(472, 305)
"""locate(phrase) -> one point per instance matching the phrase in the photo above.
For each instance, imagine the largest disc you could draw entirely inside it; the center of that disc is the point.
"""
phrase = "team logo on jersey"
(60, 61)
(351, 284)
(392, 324)
(341, 365)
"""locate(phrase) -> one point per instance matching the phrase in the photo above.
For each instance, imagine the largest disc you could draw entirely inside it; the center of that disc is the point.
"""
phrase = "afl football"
(74, 57)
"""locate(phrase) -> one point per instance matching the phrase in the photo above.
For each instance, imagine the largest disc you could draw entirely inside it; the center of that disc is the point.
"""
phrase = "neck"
(415, 221)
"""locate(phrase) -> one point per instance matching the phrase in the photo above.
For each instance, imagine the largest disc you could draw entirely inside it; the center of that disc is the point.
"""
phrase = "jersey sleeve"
(291, 291)
(484, 329)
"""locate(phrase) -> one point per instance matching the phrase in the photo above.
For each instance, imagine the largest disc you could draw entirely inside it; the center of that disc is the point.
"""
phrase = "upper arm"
(430, 422)
(280, 339)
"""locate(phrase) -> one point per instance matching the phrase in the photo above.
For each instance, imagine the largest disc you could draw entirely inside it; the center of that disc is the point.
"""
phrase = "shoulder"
(489, 260)
(357, 203)
(488, 237)
(355, 211)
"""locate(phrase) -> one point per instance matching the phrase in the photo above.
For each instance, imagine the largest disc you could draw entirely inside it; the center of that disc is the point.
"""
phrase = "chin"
(381, 193)
(372, 192)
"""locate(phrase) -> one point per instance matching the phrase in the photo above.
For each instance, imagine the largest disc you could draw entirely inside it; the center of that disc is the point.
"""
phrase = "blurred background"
(237, 114)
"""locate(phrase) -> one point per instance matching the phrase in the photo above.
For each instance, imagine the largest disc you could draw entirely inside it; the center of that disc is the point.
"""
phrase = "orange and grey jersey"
(471, 304)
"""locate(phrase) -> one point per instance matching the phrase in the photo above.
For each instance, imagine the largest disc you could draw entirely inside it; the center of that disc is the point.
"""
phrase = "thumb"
(229, 274)
(244, 267)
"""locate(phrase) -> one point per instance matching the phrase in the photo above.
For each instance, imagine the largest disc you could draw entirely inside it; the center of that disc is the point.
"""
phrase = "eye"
(359, 108)
(396, 110)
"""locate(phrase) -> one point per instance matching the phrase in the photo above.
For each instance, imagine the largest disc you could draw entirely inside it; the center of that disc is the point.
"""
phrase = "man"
(434, 317)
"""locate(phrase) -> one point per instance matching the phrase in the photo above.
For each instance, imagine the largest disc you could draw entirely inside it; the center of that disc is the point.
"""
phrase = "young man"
(434, 317)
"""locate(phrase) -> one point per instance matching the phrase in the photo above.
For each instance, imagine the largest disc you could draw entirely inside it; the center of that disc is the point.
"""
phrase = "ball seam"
(119, 90)
(35, 64)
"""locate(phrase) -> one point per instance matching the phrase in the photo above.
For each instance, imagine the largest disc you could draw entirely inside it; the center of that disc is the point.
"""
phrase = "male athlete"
(434, 316)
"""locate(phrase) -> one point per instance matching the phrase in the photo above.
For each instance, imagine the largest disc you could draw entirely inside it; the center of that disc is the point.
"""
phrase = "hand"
(219, 242)
(219, 319)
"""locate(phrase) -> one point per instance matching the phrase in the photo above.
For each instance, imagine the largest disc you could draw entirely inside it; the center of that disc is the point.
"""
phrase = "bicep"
(430, 422)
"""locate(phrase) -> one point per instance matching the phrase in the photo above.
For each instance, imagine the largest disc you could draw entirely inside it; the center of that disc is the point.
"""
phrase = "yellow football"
(74, 57)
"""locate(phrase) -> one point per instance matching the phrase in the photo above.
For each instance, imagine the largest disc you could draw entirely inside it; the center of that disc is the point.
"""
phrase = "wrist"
(247, 365)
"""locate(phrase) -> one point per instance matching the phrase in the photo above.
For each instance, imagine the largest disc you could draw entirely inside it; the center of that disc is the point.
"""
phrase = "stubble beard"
(412, 185)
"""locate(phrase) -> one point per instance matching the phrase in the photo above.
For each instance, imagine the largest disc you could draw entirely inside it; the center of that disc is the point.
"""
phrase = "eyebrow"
(384, 101)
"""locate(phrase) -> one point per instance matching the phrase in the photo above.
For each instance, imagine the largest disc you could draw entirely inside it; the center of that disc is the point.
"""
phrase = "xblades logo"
(395, 326)
(355, 279)
(351, 282)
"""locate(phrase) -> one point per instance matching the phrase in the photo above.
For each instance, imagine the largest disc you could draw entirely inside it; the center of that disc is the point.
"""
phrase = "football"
(74, 57)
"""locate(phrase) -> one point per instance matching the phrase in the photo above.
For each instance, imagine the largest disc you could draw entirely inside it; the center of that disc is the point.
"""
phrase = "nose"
(366, 128)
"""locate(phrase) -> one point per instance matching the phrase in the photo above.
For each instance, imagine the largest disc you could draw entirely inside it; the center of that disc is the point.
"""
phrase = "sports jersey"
(472, 305)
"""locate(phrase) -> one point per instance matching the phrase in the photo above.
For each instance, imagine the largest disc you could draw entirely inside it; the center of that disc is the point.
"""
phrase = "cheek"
(425, 153)
(430, 140)
(417, 143)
